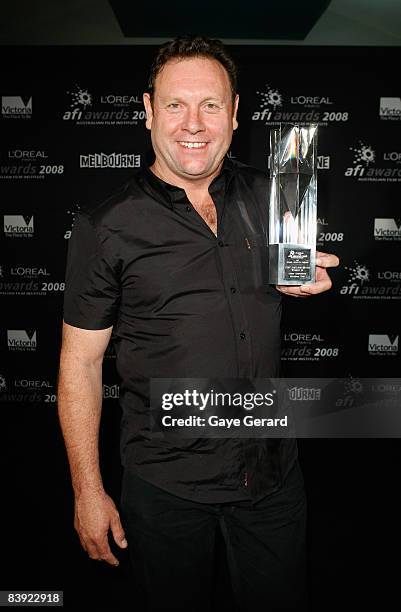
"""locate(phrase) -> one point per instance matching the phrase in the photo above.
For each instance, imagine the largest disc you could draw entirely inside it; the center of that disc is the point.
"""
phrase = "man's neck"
(194, 187)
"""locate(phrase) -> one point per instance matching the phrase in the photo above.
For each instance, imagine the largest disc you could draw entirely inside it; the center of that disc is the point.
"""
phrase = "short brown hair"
(193, 46)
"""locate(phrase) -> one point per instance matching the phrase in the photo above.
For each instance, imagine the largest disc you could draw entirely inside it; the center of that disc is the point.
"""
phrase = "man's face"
(192, 119)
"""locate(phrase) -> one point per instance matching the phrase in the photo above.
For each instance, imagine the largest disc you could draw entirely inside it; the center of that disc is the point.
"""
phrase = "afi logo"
(363, 156)
(357, 275)
(269, 99)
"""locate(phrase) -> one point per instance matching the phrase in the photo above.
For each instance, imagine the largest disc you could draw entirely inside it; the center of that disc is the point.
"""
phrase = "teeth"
(193, 145)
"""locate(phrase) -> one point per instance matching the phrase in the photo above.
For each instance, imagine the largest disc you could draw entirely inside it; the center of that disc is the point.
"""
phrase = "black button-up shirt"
(183, 303)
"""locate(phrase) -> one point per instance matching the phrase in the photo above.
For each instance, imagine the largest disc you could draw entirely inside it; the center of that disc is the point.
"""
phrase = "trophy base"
(291, 264)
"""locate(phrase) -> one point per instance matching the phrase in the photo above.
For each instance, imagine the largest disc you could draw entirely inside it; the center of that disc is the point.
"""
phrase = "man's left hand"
(323, 281)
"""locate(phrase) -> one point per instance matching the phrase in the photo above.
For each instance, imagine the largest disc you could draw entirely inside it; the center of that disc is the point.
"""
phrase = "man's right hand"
(95, 514)
(80, 397)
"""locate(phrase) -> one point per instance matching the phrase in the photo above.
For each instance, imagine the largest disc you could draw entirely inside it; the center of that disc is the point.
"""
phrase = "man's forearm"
(79, 409)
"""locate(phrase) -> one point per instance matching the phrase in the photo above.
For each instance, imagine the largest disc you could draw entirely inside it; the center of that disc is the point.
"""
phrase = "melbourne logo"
(16, 107)
(110, 160)
(323, 162)
(383, 344)
(387, 229)
(365, 165)
(390, 109)
(21, 340)
(302, 394)
(18, 226)
(111, 391)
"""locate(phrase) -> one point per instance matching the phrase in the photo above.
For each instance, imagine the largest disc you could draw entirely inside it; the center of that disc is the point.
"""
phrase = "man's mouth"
(192, 145)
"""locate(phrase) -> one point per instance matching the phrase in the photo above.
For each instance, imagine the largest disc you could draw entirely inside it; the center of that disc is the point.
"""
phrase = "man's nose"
(193, 122)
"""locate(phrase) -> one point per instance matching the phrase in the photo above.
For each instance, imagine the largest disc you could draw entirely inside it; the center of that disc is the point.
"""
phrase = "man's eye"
(173, 105)
(211, 106)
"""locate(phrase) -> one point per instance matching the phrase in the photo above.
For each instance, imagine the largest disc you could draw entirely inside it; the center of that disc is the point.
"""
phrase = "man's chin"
(196, 171)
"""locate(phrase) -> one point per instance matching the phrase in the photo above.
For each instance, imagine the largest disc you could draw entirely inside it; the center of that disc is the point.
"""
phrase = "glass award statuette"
(293, 204)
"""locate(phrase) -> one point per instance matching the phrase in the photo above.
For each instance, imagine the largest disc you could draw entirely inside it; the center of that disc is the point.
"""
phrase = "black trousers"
(171, 547)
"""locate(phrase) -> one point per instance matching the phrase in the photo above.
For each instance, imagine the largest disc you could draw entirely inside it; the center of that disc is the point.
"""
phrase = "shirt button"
(189, 209)
(221, 243)
(242, 335)
(233, 289)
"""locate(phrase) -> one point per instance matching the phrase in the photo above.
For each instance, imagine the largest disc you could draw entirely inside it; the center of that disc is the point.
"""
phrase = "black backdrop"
(72, 129)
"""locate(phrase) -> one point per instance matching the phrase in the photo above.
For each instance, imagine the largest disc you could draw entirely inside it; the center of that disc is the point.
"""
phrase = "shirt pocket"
(251, 256)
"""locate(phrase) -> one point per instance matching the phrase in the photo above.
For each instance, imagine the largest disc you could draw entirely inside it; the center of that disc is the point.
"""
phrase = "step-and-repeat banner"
(72, 129)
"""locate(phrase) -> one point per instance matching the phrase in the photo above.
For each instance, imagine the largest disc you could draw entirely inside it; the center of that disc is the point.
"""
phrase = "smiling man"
(174, 267)
(191, 115)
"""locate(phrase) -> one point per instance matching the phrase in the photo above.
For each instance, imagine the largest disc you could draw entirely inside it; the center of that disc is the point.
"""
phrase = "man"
(174, 266)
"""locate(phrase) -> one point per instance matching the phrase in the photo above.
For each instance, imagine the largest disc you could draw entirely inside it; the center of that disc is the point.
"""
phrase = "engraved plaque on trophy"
(293, 204)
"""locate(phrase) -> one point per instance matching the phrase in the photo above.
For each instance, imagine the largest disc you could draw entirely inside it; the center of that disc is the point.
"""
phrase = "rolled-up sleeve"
(92, 284)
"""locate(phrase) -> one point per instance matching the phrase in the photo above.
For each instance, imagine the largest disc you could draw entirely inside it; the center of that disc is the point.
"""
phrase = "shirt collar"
(171, 194)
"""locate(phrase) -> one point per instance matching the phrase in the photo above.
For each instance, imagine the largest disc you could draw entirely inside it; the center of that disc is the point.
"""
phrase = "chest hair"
(207, 210)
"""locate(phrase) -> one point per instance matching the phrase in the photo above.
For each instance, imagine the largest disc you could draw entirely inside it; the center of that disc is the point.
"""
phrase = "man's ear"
(148, 109)
(235, 110)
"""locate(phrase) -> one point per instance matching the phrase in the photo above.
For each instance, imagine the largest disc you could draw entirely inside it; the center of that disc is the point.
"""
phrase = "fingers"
(97, 547)
(326, 260)
(100, 550)
(293, 291)
(323, 283)
(315, 288)
(323, 280)
(118, 532)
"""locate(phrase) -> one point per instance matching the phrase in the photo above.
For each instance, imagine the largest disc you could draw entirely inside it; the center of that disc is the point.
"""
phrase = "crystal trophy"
(293, 204)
